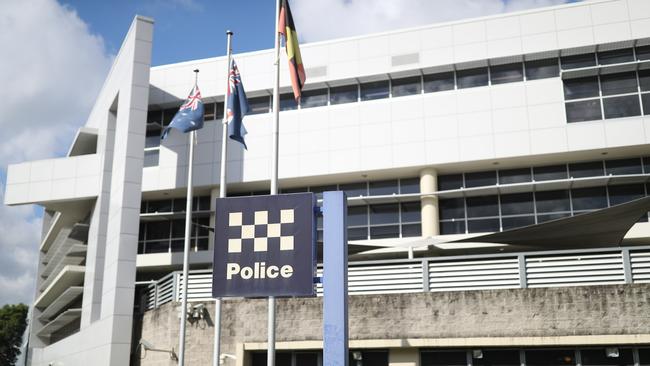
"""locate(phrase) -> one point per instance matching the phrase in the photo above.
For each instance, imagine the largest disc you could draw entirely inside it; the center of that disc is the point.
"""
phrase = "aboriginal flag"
(288, 30)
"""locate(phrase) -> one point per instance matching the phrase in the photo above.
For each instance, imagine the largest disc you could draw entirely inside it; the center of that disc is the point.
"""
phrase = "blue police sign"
(265, 246)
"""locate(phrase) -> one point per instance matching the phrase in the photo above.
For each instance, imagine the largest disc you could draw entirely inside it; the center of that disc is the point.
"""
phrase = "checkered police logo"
(264, 246)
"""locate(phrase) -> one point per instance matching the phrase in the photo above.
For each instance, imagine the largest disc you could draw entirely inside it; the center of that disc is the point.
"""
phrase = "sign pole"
(270, 355)
(222, 194)
(186, 249)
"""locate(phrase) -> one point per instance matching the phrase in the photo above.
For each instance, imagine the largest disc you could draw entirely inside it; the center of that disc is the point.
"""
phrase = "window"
(645, 98)
(152, 138)
(448, 182)
(579, 88)
(589, 169)
(374, 90)
(155, 117)
(406, 86)
(598, 356)
(438, 82)
(642, 52)
(644, 80)
(625, 106)
(508, 73)
(358, 233)
(472, 77)
(446, 358)
(384, 214)
(646, 165)
(623, 166)
(168, 115)
(452, 208)
(541, 69)
(384, 232)
(552, 201)
(410, 212)
(259, 105)
(578, 61)
(517, 204)
(320, 189)
(151, 158)
(479, 179)
(354, 189)
(482, 206)
(452, 227)
(615, 56)
(483, 225)
(588, 110)
(411, 185)
(344, 94)
(159, 206)
(620, 83)
(498, 358)
(209, 112)
(625, 193)
(550, 357)
(553, 172)
(358, 216)
(514, 176)
(517, 221)
(589, 198)
(313, 98)
(288, 102)
(381, 188)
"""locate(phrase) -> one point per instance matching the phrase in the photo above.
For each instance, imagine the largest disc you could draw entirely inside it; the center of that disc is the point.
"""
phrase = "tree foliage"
(13, 320)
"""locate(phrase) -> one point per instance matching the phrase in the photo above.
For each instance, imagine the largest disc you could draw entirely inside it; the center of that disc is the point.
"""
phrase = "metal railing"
(459, 273)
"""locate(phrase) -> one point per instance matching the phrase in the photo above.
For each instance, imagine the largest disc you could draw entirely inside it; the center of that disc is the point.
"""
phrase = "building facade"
(436, 134)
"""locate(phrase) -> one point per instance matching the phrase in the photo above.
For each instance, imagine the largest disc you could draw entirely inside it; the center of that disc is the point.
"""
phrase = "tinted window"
(472, 77)
(452, 208)
(482, 206)
(344, 94)
(623, 166)
(517, 204)
(287, 102)
(579, 88)
(374, 90)
(151, 158)
(618, 83)
(219, 112)
(587, 110)
(553, 172)
(590, 169)
(498, 358)
(384, 214)
(383, 232)
(479, 179)
(409, 185)
(615, 56)
(411, 230)
(540, 69)
(438, 82)
(448, 182)
(644, 80)
(357, 215)
(514, 176)
(644, 356)
(259, 105)
(407, 86)
(454, 358)
(599, 357)
(208, 111)
(646, 165)
(359, 233)
(452, 227)
(643, 52)
(646, 103)
(550, 357)
(153, 136)
(483, 225)
(589, 198)
(354, 189)
(386, 187)
(518, 221)
(313, 98)
(578, 61)
(155, 117)
(618, 107)
(552, 201)
(410, 212)
(509, 73)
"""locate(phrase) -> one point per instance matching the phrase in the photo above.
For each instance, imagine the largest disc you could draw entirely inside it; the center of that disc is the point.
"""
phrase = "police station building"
(495, 171)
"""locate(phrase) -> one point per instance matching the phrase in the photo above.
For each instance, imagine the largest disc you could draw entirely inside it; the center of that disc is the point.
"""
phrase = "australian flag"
(189, 116)
(236, 105)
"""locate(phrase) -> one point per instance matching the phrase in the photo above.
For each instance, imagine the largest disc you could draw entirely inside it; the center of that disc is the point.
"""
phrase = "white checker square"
(286, 243)
(261, 217)
(234, 245)
(273, 230)
(248, 231)
(235, 219)
(260, 244)
(286, 216)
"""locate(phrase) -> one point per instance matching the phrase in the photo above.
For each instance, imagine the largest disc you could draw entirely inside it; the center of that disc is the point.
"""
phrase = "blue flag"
(189, 116)
(236, 105)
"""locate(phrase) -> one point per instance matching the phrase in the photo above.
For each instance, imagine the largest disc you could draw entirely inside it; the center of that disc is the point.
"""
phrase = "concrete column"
(429, 210)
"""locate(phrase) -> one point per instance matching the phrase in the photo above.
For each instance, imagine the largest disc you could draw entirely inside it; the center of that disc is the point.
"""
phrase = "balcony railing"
(461, 273)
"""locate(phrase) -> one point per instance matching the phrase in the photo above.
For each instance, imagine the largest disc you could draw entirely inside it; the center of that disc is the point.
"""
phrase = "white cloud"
(344, 18)
(51, 71)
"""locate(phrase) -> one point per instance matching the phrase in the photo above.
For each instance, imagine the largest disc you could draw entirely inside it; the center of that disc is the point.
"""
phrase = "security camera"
(146, 344)
(223, 356)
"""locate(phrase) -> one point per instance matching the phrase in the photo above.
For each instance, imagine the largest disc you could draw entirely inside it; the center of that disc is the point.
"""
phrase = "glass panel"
(259, 105)
(438, 82)
(644, 354)
(483, 225)
(168, 115)
(646, 165)
(623, 166)
(550, 357)
(202, 244)
(589, 169)
(281, 359)
(140, 247)
(157, 230)
(370, 358)
(498, 358)
(615, 56)
(587, 110)
(411, 230)
(306, 359)
(518, 221)
(354, 189)
(618, 107)
(156, 246)
(452, 208)
(386, 187)
(644, 80)
(178, 245)
(540, 69)
(509, 73)
(287, 102)
(448, 182)
(384, 232)
(542, 173)
(625, 193)
(219, 113)
(358, 233)
(514, 176)
(202, 228)
(451, 358)
(313, 98)
(178, 228)
(578, 61)
(180, 204)
(411, 212)
(589, 198)
(406, 86)
(411, 185)
(320, 189)
(552, 201)
(384, 214)
(599, 357)
(154, 117)
(452, 227)
(208, 111)
(344, 94)
(646, 103)
(374, 90)
(480, 179)
(482, 206)
(160, 206)
(357, 215)
(153, 137)
(204, 203)
(622, 83)
(585, 87)
(643, 52)
(472, 77)
(517, 204)
(151, 158)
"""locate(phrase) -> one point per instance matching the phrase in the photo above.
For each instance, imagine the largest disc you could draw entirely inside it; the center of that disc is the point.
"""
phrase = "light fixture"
(611, 352)
(223, 356)
(477, 353)
(357, 356)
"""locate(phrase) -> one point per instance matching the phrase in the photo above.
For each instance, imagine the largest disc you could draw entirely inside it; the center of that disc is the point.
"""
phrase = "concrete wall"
(615, 314)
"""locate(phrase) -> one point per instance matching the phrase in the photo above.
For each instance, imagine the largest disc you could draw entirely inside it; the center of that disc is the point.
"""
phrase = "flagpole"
(186, 246)
(270, 359)
(222, 194)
